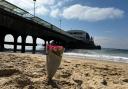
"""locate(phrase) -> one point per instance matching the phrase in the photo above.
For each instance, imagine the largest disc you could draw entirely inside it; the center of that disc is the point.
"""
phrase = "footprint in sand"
(79, 82)
(66, 74)
(125, 80)
(8, 71)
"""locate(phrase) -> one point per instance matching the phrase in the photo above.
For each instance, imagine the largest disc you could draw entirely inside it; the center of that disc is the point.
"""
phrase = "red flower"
(55, 48)
(58, 50)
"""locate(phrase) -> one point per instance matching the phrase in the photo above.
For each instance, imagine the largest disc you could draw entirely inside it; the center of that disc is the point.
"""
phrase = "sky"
(105, 20)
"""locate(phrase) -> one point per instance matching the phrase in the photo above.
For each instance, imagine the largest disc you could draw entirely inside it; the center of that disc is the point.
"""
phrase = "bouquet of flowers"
(53, 59)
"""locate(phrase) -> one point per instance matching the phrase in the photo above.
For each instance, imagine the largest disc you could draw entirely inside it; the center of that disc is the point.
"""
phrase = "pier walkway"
(18, 22)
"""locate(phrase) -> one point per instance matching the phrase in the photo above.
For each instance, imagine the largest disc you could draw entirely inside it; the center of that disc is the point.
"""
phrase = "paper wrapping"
(52, 63)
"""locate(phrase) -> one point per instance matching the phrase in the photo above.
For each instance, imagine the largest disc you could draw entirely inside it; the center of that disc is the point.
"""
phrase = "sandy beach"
(28, 71)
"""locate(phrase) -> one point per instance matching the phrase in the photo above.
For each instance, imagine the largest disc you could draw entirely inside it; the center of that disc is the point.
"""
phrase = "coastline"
(93, 59)
(73, 73)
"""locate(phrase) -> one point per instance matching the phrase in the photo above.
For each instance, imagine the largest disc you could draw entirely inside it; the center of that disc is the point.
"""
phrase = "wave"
(98, 57)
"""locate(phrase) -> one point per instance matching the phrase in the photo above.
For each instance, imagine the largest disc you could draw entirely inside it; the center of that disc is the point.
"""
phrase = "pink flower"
(58, 50)
(54, 49)
(60, 47)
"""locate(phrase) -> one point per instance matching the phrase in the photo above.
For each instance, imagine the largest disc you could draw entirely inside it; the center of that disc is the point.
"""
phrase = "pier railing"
(18, 11)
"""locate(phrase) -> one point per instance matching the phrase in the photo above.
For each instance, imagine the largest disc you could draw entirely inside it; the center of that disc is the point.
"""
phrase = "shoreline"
(93, 59)
(101, 57)
(27, 70)
(119, 59)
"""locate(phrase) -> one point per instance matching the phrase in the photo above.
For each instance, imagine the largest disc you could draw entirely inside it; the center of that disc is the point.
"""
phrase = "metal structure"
(16, 10)
(18, 22)
(34, 7)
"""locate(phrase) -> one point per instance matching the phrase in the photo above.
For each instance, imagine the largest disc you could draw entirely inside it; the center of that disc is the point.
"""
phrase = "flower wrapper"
(53, 59)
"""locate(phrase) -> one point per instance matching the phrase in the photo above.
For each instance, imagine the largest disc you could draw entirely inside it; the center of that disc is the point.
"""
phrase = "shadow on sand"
(54, 84)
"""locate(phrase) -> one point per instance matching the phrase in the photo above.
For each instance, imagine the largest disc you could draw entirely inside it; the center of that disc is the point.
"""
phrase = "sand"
(28, 71)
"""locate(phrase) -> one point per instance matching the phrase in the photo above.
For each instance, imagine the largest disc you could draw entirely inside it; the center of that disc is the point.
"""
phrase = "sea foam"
(98, 57)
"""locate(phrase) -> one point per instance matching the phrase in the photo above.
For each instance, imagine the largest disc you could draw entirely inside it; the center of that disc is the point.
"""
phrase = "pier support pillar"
(15, 42)
(2, 42)
(23, 43)
(45, 44)
(34, 45)
(48, 41)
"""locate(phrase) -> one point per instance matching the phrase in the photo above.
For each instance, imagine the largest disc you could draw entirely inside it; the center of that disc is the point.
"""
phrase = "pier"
(18, 22)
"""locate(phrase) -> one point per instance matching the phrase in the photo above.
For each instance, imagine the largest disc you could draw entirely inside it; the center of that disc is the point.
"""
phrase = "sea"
(109, 54)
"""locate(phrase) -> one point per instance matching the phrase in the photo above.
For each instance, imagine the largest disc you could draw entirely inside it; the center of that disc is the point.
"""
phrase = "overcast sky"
(105, 20)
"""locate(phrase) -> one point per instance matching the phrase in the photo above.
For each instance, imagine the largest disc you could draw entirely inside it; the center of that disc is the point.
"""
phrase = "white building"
(80, 34)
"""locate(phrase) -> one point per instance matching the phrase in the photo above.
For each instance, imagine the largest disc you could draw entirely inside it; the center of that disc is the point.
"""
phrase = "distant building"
(80, 34)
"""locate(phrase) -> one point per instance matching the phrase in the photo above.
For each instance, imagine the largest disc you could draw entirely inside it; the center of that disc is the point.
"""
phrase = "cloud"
(80, 12)
(46, 2)
(28, 5)
(42, 11)
(62, 2)
(55, 13)
(56, 8)
(77, 11)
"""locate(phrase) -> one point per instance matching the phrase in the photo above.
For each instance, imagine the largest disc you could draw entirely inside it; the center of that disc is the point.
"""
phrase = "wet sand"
(28, 71)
